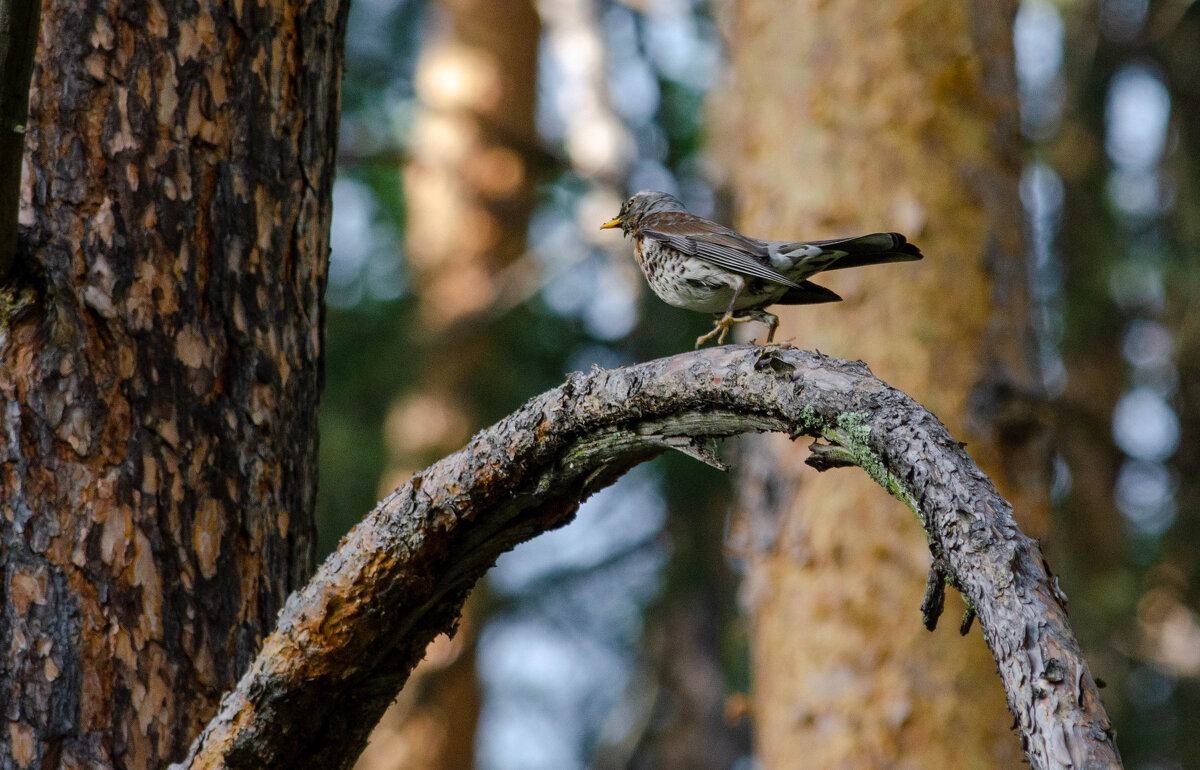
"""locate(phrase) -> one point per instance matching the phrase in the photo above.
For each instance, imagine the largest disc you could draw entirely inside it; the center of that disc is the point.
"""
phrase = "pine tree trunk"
(160, 365)
(469, 185)
(854, 117)
(470, 180)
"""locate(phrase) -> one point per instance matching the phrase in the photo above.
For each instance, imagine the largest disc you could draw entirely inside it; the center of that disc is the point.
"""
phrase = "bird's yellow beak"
(610, 224)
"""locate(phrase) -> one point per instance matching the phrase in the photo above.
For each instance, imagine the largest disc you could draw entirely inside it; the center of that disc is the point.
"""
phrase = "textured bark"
(347, 641)
(853, 117)
(160, 351)
(18, 43)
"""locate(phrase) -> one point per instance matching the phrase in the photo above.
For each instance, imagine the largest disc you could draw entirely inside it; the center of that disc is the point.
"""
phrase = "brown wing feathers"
(714, 243)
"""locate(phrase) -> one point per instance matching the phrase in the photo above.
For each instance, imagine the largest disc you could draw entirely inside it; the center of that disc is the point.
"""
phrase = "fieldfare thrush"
(700, 265)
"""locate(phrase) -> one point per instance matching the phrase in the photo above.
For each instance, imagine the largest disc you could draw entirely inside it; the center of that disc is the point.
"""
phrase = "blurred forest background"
(482, 144)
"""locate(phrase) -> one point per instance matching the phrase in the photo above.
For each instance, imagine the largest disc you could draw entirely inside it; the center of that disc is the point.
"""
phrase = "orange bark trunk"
(848, 118)
(160, 354)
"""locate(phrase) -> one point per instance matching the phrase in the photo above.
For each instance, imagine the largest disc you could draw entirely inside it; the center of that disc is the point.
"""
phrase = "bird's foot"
(721, 328)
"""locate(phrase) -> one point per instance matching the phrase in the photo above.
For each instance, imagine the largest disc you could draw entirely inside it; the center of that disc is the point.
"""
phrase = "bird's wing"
(713, 243)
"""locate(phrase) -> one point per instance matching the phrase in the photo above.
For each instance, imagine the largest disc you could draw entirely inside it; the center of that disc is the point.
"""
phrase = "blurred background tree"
(879, 130)
(482, 145)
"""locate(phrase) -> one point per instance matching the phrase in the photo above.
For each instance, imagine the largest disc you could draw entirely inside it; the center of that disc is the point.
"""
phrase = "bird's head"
(637, 207)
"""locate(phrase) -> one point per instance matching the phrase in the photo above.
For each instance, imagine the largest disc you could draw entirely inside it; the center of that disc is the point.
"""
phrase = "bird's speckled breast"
(694, 284)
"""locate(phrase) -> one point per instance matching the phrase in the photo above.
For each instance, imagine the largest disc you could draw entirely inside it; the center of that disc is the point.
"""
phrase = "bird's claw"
(720, 329)
(727, 321)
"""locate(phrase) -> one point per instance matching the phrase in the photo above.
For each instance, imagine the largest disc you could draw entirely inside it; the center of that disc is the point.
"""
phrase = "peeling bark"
(160, 349)
(347, 641)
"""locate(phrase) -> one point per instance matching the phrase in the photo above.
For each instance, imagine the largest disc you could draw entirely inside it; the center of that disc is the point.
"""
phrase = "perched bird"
(700, 265)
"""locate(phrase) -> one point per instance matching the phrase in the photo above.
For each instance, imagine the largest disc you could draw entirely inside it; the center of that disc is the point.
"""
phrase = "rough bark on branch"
(346, 642)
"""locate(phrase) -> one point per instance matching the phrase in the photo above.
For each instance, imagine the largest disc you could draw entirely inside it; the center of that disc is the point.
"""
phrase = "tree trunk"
(161, 346)
(468, 188)
(469, 183)
(854, 117)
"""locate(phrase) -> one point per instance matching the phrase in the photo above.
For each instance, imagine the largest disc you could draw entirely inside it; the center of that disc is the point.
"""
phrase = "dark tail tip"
(874, 249)
(809, 293)
(902, 246)
(882, 243)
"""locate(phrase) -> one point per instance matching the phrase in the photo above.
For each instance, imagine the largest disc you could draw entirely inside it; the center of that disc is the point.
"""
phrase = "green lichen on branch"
(853, 433)
(809, 424)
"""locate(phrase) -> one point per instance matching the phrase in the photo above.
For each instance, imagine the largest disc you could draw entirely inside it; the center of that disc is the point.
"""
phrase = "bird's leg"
(772, 322)
(766, 350)
(770, 319)
(725, 322)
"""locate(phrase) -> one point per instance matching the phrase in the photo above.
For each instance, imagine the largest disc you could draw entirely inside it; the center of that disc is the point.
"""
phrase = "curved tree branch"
(347, 641)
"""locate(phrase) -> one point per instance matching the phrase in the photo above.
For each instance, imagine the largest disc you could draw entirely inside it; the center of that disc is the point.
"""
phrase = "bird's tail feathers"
(873, 249)
(808, 293)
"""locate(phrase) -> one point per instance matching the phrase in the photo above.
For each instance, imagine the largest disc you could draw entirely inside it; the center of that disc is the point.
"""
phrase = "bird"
(693, 263)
